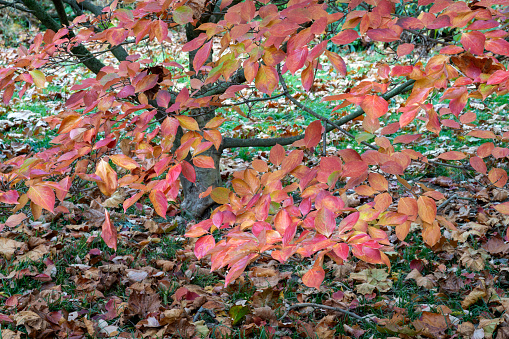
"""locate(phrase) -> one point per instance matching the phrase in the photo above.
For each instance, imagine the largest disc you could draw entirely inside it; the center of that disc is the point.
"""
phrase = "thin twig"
(445, 203)
(316, 115)
(351, 314)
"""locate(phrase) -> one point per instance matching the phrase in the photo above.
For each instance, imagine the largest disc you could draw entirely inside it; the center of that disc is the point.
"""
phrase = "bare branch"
(257, 142)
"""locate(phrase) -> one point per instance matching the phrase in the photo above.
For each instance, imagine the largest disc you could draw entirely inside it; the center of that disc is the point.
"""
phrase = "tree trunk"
(192, 204)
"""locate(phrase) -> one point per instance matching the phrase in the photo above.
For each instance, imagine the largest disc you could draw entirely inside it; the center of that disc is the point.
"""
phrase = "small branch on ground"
(332, 308)
(446, 202)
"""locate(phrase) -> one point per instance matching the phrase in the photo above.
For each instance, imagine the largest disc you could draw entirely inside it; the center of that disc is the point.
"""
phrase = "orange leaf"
(292, 160)
(188, 122)
(325, 222)
(314, 277)
(124, 161)
(498, 177)
(427, 209)
(453, 155)
(146, 83)
(277, 154)
(431, 233)
(159, 202)
(378, 182)
(266, 79)
(260, 165)
(403, 229)
(478, 164)
(503, 208)
(282, 221)
(203, 161)
(109, 232)
(220, 195)
(43, 196)
(374, 106)
(337, 62)
(215, 122)
(213, 136)
(109, 183)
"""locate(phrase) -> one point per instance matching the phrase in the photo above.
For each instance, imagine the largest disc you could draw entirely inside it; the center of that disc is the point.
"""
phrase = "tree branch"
(118, 51)
(59, 6)
(257, 142)
(351, 314)
(316, 115)
(92, 63)
(13, 5)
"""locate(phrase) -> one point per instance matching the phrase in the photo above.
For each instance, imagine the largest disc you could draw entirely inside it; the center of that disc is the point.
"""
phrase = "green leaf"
(237, 313)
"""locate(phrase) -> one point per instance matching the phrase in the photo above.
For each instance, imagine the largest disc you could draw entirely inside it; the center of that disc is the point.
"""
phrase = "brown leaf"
(496, 245)
(31, 320)
(478, 293)
(432, 325)
(8, 247)
(356, 330)
(266, 313)
(8, 334)
(466, 329)
(420, 280)
(141, 304)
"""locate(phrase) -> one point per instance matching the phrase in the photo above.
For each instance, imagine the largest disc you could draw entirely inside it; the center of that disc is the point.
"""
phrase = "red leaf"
(337, 62)
(383, 34)
(313, 134)
(204, 245)
(498, 46)
(325, 222)
(478, 164)
(348, 223)
(405, 49)
(345, 37)
(374, 106)
(109, 232)
(9, 197)
(308, 76)
(354, 169)
(473, 42)
(296, 59)
(188, 171)
(201, 56)
(481, 134)
(146, 83)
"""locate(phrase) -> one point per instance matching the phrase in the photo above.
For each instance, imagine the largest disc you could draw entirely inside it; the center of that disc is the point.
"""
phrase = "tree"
(162, 116)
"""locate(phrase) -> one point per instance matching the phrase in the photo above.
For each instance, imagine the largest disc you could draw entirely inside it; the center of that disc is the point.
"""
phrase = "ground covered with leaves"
(59, 279)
